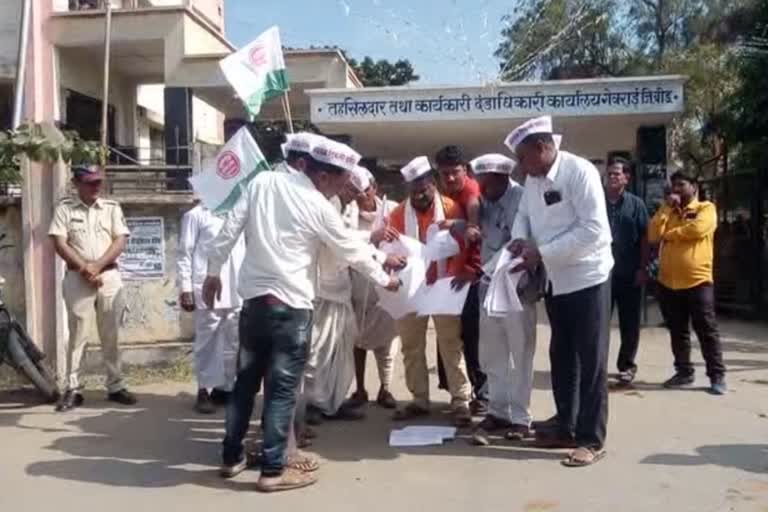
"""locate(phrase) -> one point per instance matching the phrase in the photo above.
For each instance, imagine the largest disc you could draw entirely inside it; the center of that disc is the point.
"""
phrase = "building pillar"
(179, 135)
(42, 186)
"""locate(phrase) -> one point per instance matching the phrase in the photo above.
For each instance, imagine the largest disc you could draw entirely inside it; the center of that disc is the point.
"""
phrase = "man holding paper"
(562, 223)
(413, 218)
(507, 338)
(286, 218)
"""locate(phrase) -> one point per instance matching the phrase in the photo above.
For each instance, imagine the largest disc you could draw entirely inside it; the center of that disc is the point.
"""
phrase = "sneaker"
(123, 397)
(70, 400)
(232, 470)
(718, 387)
(220, 397)
(679, 380)
(204, 403)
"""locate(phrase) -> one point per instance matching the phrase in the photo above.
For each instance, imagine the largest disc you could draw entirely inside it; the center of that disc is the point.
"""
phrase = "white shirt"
(199, 226)
(286, 219)
(334, 282)
(573, 235)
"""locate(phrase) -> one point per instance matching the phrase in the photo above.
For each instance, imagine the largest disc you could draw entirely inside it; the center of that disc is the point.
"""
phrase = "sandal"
(289, 480)
(358, 399)
(582, 457)
(303, 462)
(410, 412)
(386, 400)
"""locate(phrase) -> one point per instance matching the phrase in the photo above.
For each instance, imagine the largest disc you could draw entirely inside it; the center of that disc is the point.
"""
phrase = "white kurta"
(216, 330)
(330, 366)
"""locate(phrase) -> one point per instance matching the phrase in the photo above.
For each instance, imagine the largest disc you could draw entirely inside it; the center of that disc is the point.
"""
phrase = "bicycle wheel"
(37, 373)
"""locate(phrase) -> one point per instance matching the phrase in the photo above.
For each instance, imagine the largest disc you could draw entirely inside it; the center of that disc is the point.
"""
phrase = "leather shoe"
(123, 397)
(204, 403)
(70, 400)
(220, 397)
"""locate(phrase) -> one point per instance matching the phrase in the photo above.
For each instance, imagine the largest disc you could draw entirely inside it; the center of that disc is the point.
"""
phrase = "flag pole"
(287, 111)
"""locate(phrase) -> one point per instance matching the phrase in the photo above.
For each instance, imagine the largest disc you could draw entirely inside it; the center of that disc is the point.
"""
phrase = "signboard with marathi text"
(144, 256)
(519, 100)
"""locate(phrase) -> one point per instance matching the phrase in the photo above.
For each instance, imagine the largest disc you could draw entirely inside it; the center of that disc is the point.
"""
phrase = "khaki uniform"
(90, 231)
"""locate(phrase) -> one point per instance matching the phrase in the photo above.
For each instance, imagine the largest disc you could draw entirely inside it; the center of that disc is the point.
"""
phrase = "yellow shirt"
(88, 230)
(687, 241)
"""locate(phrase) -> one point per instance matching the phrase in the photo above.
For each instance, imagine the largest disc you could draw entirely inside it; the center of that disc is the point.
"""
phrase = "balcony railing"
(86, 5)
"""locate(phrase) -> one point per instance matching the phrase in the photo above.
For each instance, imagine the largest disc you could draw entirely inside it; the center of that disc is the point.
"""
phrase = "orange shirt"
(425, 219)
(470, 191)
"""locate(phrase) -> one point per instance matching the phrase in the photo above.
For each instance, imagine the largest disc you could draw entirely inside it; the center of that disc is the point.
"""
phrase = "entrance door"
(84, 116)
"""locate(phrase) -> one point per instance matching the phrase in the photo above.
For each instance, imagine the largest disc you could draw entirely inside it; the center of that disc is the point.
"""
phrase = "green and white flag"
(257, 71)
(222, 181)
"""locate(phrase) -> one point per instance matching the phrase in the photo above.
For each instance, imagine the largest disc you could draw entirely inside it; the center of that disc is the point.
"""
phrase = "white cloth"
(284, 168)
(416, 168)
(301, 142)
(330, 367)
(360, 178)
(507, 347)
(573, 234)
(334, 153)
(412, 226)
(286, 220)
(501, 297)
(333, 279)
(199, 226)
(215, 347)
(541, 124)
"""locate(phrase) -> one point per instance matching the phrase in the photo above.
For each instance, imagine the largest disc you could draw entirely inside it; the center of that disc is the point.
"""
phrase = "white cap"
(335, 153)
(493, 162)
(302, 142)
(537, 125)
(371, 177)
(416, 168)
(360, 179)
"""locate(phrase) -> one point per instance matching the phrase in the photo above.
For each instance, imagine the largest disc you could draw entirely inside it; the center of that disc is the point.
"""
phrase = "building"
(170, 106)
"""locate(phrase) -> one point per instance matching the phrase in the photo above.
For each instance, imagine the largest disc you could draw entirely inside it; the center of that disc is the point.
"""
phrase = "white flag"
(257, 71)
(222, 181)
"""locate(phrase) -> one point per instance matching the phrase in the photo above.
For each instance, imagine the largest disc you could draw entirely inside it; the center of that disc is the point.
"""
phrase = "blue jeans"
(274, 342)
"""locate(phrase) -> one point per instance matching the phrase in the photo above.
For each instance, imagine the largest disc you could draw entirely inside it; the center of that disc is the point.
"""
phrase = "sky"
(449, 42)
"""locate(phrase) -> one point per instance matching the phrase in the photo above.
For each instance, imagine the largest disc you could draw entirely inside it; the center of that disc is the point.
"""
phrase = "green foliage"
(269, 135)
(382, 73)
(39, 145)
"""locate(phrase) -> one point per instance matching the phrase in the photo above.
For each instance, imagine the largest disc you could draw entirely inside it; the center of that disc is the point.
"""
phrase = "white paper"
(403, 301)
(421, 436)
(440, 299)
(404, 246)
(440, 244)
(501, 297)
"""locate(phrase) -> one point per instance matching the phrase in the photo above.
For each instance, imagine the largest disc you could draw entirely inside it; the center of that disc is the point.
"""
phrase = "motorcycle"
(21, 353)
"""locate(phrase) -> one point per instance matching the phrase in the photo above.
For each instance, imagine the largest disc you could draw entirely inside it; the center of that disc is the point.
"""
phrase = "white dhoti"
(377, 330)
(215, 347)
(330, 366)
(507, 348)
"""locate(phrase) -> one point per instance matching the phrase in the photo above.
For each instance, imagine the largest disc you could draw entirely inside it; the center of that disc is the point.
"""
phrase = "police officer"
(90, 233)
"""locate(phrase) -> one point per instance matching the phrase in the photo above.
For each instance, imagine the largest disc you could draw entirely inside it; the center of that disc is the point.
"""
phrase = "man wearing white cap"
(216, 336)
(412, 218)
(562, 222)
(377, 330)
(294, 149)
(286, 218)
(507, 343)
(330, 367)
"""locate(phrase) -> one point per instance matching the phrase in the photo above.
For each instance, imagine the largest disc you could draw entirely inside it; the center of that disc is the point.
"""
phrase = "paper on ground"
(440, 299)
(421, 435)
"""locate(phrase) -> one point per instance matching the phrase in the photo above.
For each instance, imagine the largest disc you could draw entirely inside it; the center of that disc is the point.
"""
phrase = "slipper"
(303, 462)
(410, 412)
(290, 479)
(582, 457)
(386, 400)
(358, 399)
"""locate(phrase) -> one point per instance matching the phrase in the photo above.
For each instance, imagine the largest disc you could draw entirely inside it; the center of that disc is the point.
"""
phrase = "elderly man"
(216, 336)
(686, 227)
(377, 330)
(423, 208)
(286, 218)
(628, 217)
(458, 185)
(89, 234)
(562, 223)
(507, 343)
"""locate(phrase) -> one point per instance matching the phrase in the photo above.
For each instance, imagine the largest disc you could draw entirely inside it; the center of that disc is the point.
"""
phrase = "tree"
(556, 39)
(382, 73)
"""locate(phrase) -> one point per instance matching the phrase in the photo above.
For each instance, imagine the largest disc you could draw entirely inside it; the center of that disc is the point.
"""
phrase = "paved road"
(668, 451)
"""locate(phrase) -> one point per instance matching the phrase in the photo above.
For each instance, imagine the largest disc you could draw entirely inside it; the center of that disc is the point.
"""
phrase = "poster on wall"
(144, 256)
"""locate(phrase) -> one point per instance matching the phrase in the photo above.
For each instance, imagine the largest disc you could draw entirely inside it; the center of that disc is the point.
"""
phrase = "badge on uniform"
(552, 197)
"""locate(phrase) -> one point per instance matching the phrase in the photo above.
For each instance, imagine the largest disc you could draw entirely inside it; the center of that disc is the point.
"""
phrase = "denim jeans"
(274, 341)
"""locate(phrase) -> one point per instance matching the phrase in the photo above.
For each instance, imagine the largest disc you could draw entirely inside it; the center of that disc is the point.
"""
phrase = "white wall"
(10, 12)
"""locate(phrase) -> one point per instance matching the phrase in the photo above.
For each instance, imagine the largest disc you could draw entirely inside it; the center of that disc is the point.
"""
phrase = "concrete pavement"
(668, 450)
